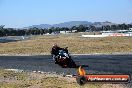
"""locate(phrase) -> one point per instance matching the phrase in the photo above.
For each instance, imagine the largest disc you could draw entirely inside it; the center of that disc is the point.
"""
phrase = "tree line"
(41, 31)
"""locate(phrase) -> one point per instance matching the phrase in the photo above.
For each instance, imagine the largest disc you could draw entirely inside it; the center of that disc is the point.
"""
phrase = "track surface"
(97, 63)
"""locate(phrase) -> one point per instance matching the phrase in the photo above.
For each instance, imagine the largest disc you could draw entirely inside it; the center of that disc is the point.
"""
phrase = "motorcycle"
(64, 60)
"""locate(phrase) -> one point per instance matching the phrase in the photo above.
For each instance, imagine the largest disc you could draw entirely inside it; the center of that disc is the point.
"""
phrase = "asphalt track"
(98, 64)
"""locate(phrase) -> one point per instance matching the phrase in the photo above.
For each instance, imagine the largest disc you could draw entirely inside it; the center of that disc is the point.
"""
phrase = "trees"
(50, 31)
(114, 27)
(1, 34)
(2, 27)
(106, 28)
(129, 26)
(21, 32)
(80, 28)
(73, 28)
(1, 30)
(92, 28)
(124, 26)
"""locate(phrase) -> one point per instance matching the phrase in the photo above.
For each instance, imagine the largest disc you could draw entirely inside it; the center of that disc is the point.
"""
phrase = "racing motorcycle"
(64, 60)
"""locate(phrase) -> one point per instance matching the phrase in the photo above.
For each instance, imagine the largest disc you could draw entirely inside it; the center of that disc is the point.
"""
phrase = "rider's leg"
(55, 58)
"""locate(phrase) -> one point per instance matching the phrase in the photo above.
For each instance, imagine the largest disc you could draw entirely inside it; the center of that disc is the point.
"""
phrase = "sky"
(23, 13)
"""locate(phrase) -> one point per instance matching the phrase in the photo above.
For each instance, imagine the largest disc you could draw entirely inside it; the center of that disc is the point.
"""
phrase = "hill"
(72, 23)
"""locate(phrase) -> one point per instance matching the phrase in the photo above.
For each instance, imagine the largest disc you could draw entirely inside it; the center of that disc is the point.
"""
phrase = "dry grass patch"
(37, 80)
(77, 45)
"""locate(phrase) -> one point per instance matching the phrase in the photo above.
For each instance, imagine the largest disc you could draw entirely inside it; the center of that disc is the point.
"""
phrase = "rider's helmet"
(55, 45)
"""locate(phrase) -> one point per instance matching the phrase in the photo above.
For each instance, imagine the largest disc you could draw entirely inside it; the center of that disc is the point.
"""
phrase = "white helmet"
(55, 45)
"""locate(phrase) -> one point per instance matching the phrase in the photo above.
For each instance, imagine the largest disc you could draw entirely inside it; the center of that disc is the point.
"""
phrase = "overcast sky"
(22, 13)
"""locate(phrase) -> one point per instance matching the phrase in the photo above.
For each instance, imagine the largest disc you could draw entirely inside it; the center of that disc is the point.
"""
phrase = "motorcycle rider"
(55, 52)
(66, 50)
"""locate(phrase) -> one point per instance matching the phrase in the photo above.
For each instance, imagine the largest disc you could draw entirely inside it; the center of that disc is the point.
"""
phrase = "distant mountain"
(99, 24)
(40, 26)
(72, 23)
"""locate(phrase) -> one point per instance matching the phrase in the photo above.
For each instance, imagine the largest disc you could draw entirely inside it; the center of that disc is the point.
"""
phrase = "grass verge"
(39, 45)
(37, 80)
